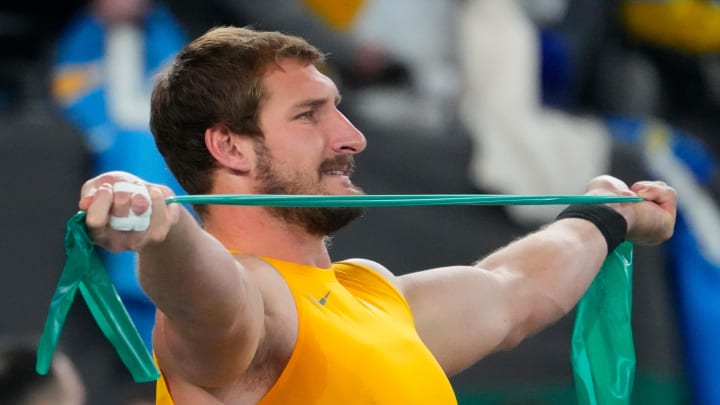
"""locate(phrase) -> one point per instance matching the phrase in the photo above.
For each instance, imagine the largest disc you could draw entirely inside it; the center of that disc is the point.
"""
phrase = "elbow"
(541, 312)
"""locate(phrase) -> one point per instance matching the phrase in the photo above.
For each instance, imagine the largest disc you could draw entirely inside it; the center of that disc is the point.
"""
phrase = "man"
(250, 306)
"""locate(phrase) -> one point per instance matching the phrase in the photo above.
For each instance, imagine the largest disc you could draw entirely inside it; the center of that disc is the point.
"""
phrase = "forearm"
(549, 271)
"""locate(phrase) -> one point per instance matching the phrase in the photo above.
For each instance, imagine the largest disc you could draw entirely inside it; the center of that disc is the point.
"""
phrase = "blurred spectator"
(102, 77)
(21, 385)
(668, 48)
(420, 33)
(520, 145)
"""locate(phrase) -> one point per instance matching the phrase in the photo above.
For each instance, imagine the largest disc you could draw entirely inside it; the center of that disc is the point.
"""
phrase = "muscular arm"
(464, 313)
(507, 296)
(210, 318)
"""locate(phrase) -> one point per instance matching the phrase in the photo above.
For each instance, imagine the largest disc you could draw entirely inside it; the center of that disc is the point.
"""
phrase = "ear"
(231, 151)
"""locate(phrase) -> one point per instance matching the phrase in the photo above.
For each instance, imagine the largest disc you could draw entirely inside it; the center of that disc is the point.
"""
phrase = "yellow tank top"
(357, 343)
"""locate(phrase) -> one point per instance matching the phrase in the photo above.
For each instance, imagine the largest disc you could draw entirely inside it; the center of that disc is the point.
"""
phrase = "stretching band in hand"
(603, 356)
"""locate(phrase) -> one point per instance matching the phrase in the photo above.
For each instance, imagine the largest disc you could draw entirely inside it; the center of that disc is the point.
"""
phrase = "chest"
(351, 338)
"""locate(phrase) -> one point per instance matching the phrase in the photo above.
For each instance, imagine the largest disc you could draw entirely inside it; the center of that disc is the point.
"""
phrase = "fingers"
(608, 185)
(656, 191)
(660, 194)
(160, 220)
(90, 187)
(99, 205)
(657, 214)
(125, 213)
(131, 207)
(86, 198)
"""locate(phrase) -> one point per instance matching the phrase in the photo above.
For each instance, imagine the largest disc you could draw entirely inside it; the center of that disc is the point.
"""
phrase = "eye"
(307, 115)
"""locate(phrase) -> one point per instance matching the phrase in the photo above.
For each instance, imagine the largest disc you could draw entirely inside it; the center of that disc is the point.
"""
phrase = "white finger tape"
(132, 222)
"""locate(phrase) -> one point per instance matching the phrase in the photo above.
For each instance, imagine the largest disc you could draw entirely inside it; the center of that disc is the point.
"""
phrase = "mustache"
(344, 163)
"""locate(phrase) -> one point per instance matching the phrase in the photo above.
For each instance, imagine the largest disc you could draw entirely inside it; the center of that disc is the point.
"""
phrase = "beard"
(318, 221)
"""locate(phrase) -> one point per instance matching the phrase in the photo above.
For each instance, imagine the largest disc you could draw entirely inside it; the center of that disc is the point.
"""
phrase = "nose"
(346, 139)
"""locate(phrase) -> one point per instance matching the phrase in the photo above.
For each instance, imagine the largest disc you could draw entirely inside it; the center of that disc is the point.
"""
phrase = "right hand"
(101, 203)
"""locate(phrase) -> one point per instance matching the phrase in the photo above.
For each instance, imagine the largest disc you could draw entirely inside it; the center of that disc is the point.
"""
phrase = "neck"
(254, 231)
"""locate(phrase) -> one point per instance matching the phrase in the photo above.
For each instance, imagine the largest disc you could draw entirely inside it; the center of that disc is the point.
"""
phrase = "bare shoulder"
(273, 288)
(378, 268)
(384, 271)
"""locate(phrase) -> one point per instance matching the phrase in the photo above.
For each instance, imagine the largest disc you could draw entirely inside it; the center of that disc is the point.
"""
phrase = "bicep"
(462, 313)
(212, 341)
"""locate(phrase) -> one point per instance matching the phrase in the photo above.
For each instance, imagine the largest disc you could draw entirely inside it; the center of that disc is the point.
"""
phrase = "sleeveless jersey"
(356, 343)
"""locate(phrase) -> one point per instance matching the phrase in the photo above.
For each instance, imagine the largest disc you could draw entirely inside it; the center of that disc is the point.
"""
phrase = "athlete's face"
(308, 145)
(316, 221)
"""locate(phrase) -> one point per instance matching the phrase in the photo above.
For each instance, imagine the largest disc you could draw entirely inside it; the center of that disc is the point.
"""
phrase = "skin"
(227, 327)
(72, 389)
(64, 388)
(112, 12)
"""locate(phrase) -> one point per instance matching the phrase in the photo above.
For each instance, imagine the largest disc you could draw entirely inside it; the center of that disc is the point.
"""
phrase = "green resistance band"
(394, 200)
(603, 356)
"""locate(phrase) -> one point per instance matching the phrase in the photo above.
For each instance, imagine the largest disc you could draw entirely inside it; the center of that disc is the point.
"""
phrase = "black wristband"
(611, 224)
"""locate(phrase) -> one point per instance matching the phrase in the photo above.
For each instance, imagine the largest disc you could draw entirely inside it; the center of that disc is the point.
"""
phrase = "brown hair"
(217, 78)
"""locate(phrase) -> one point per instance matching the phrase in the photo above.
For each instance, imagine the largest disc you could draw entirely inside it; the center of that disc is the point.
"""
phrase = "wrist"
(612, 224)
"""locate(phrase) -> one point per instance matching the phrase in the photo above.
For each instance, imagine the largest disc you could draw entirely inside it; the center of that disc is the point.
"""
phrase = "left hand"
(649, 222)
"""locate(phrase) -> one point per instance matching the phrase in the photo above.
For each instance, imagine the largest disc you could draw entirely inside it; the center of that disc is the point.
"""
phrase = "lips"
(338, 166)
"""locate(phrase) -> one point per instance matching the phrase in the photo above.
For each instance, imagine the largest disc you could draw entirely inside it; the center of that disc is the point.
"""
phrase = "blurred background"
(454, 96)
